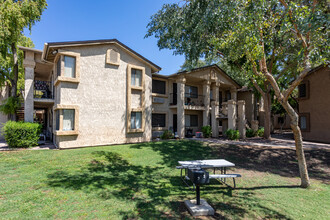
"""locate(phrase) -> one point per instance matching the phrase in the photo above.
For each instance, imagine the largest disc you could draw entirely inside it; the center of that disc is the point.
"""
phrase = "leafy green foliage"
(232, 134)
(21, 134)
(260, 131)
(207, 131)
(9, 105)
(250, 133)
(167, 135)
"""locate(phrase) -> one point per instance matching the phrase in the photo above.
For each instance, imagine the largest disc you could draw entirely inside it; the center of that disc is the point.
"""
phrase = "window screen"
(58, 67)
(158, 86)
(158, 120)
(302, 90)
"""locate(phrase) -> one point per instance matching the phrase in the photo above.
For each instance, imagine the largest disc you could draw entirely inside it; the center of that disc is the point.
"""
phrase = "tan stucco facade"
(100, 95)
(317, 105)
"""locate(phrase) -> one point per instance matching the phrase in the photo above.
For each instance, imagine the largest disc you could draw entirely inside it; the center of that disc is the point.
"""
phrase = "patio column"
(231, 114)
(206, 93)
(180, 107)
(215, 110)
(29, 65)
(233, 94)
(241, 118)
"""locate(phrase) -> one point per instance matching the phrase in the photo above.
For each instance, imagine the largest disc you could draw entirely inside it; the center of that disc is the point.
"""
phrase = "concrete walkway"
(276, 141)
(45, 146)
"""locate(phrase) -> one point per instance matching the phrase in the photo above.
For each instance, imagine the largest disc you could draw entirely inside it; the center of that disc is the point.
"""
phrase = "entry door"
(175, 122)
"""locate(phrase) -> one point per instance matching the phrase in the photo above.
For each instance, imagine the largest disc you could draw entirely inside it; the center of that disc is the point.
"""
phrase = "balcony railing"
(189, 99)
(42, 90)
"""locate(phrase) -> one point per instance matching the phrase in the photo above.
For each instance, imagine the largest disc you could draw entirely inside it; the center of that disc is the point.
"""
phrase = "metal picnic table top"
(215, 163)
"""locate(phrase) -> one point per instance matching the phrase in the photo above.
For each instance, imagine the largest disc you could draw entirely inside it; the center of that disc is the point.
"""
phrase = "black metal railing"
(42, 90)
(189, 99)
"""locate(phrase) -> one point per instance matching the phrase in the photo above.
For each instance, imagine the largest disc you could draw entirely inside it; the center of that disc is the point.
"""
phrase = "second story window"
(69, 66)
(158, 86)
(58, 67)
(191, 91)
(136, 77)
(303, 90)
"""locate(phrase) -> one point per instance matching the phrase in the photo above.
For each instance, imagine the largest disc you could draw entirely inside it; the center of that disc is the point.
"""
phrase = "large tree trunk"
(299, 145)
(267, 105)
(15, 77)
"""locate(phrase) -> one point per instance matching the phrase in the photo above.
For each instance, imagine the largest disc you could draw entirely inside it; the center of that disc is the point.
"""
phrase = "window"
(69, 66)
(228, 96)
(58, 67)
(158, 120)
(113, 57)
(303, 90)
(158, 86)
(57, 112)
(304, 123)
(136, 120)
(191, 120)
(191, 91)
(68, 119)
(136, 77)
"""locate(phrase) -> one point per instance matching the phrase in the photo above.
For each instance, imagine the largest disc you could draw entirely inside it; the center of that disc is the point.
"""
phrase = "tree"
(264, 38)
(15, 16)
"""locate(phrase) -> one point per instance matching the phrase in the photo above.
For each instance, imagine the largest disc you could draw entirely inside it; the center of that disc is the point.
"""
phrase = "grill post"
(198, 195)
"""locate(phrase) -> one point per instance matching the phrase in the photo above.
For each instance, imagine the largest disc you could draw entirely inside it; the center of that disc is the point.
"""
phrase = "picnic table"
(215, 164)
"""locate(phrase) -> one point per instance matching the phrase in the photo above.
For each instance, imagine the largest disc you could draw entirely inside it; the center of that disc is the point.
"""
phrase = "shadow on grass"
(154, 193)
(281, 161)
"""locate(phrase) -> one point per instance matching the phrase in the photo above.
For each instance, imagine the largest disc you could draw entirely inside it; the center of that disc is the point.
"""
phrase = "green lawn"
(140, 181)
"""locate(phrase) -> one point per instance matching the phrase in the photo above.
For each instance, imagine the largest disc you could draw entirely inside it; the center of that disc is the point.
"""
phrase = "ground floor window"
(304, 122)
(136, 120)
(191, 120)
(68, 119)
(158, 120)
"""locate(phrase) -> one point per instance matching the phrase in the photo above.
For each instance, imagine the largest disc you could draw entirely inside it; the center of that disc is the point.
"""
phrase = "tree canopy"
(271, 41)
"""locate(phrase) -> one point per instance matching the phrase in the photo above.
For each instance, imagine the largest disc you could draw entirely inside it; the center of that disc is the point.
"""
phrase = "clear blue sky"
(126, 20)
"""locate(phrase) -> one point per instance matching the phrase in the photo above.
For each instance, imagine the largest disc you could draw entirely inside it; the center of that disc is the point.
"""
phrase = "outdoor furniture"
(217, 164)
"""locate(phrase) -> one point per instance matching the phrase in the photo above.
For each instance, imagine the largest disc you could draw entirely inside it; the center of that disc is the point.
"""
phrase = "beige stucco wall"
(102, 99)
(318, 106)
(248, 97)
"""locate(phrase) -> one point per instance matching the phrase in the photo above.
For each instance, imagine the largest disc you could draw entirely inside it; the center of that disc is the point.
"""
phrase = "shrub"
(232, 134)
(260, 132)
(9, 105)
(207, 131)
(167, 135)
(250, 133)
(21, 134)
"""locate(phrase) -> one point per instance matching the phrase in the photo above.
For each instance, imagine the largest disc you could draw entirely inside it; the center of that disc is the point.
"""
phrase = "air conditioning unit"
(158, 100)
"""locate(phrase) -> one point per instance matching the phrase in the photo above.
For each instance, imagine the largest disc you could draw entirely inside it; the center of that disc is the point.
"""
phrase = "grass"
(139, 181)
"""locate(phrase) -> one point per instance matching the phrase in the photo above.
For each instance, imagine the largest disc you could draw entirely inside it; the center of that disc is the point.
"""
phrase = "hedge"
(21, 134)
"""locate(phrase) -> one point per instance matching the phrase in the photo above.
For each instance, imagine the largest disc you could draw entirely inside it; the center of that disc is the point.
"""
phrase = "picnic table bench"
(208, 164)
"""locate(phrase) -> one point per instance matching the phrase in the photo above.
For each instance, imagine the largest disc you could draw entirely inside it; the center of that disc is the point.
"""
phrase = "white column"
(233, 94)
(215, 110)
(180, 107)
(206, 112)
(29, 65)
(231, 114)
(241, 118)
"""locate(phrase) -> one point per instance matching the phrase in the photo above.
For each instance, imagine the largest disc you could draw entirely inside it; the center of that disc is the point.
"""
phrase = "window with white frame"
(136, 120)
(69, 66)
(136, 77)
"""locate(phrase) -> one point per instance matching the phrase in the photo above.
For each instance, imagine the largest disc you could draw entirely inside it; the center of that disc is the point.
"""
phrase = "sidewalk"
(276, 141)
(48, 145)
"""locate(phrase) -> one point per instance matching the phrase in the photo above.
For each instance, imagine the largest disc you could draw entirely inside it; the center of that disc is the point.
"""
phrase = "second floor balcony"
(42, 90)
(190, 100)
